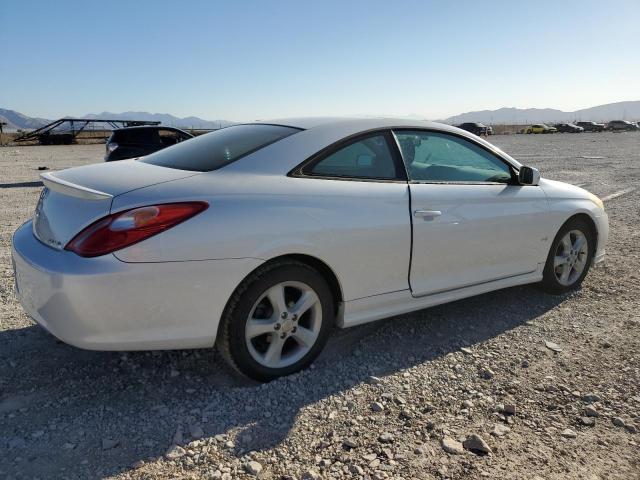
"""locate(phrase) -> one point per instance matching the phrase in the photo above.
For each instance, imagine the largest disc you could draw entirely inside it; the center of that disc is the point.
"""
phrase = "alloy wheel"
(571, 257)
(283, 324)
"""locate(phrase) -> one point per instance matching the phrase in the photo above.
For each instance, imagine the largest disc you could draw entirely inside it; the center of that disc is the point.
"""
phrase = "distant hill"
(16, 120)
(164, 118)
(517, 116)
(601, 113)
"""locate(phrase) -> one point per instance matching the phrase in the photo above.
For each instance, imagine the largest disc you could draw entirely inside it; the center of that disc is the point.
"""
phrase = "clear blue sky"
(243, 60)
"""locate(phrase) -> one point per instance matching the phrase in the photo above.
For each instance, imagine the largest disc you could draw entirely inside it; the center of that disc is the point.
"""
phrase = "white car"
(262, 237)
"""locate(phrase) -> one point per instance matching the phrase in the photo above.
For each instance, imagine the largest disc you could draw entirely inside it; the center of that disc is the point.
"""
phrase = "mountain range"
(523, 116)
(517, 116)
(16, 120)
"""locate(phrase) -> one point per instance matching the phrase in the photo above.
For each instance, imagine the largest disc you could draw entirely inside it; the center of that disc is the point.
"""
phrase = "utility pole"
(1, 125)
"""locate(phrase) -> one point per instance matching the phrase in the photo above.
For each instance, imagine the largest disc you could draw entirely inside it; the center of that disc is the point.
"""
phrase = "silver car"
(262, 237)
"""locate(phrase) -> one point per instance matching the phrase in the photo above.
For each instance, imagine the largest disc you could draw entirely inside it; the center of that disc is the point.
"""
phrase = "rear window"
(217, 149)
(136, 135)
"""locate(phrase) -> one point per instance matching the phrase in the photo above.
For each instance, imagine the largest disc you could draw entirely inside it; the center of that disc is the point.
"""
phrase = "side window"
(169, 137)
(439, 157)
(365, 158)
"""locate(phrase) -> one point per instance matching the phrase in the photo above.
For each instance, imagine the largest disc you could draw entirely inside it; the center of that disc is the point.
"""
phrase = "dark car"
(621, 125)
(591, 126)
(132, 142)
(568, 128)
(475, 128)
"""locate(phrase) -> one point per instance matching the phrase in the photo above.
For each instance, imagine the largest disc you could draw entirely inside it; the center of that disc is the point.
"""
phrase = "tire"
(555, 279)
(250, 310)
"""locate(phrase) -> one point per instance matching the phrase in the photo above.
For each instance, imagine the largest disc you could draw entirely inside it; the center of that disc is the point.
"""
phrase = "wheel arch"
(589, 221)
(314, 262)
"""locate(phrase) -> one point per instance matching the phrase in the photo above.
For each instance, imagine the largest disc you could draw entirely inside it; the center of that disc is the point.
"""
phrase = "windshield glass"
(217, 149)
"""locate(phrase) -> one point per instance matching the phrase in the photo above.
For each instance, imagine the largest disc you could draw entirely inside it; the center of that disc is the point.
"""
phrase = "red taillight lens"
(122, 229)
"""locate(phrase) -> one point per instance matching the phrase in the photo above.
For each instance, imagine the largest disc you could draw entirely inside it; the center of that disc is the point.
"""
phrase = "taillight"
(123, 229)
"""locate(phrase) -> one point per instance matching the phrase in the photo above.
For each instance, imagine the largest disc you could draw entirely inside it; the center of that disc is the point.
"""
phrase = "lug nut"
(284, 315)
(277, 326)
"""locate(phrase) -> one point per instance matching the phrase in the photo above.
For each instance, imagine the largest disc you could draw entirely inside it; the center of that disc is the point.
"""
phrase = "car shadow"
(83, 414)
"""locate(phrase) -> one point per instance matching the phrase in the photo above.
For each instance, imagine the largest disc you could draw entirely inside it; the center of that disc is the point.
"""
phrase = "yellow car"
(541, 128)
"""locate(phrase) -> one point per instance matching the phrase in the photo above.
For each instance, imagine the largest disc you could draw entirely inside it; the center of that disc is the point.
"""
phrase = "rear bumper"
(103, 303)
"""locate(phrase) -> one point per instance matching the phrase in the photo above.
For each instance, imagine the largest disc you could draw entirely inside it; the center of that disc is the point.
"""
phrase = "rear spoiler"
(57, 184)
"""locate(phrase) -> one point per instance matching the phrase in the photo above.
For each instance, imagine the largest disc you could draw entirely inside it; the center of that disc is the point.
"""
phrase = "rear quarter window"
(135, 136)
(216, 149)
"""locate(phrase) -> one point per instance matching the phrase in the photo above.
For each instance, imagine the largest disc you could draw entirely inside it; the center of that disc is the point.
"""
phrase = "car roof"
(318, 133)
(353, 123)
(149, 127)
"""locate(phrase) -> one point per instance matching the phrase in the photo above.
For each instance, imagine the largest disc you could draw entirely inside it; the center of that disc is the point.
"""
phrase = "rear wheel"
(277, 321)
(569, 258)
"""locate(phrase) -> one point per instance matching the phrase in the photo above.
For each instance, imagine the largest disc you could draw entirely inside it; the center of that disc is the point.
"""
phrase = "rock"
(618, 422)
(174, 452)
(590, 398)
(568, 433)
(349, 443)
(373, 380)
(370, 457)
(311, 475)
(452, 446)
(253, 468)
(43, 168)
(466, 350)
(356, 469)
(108, 444)
(467, 404)
(196, 431)
(590, 411)
(178, 437)
(377, 407)
(400, 400)
(386, 437)
(553, 346)
(631, 428)
(588, 421)
(487, 374)
(500, 430)
(476, 444)
(509, 409)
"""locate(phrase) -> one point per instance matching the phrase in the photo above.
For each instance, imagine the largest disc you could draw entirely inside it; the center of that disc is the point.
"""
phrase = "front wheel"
(277, 321)
(569, 257)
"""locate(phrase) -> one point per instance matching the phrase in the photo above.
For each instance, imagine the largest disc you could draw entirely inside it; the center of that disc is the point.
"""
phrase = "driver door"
(472, 223)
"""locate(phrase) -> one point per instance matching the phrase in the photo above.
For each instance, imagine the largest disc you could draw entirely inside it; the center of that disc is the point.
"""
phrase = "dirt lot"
(380, 400)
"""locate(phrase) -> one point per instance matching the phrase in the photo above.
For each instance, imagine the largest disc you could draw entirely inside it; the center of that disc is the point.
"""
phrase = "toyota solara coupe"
(261, 238)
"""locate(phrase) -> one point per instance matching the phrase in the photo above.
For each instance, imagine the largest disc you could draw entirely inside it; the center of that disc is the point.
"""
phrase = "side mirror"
(528, 176)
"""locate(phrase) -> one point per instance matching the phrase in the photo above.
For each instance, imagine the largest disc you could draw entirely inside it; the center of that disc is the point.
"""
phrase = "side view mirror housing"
(528, 176)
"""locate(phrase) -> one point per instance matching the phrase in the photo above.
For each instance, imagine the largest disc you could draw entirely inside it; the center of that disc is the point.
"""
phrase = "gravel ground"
(515, 384)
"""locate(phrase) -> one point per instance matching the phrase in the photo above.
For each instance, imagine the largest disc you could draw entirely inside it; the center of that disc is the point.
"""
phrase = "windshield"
(217, 149)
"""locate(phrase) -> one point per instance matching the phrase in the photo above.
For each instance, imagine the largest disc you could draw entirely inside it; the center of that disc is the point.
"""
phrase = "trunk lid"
(73, 199)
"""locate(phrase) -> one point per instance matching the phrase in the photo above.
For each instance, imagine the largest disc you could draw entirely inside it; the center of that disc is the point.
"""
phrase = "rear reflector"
(123, 229)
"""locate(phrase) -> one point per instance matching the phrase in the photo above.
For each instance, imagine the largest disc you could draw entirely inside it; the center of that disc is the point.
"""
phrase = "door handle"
(427, 213)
